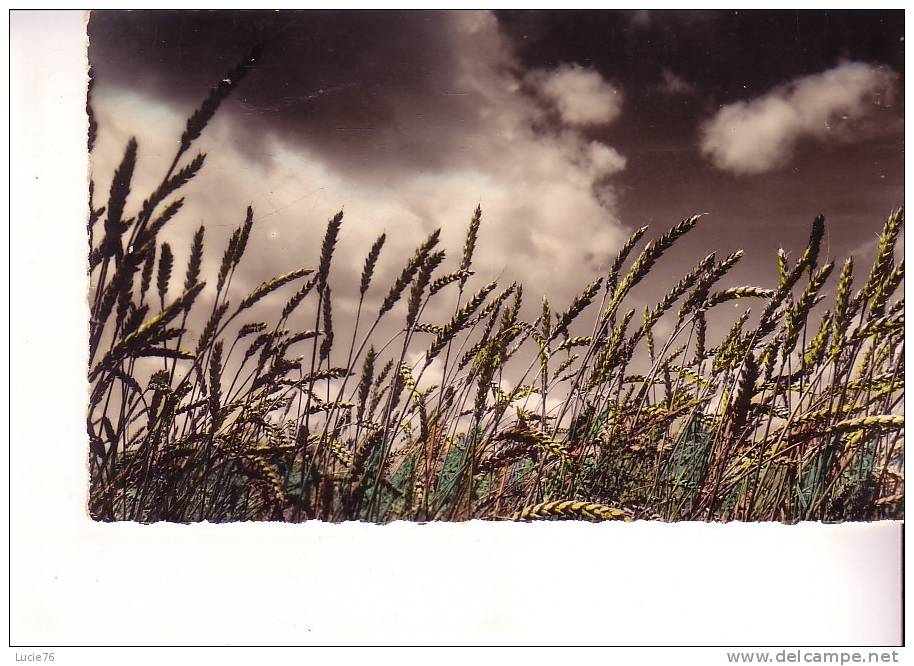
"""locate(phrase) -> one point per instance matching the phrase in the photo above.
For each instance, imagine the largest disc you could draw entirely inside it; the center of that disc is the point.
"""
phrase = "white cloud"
(761, 134)
(581, 95)
(603, 160)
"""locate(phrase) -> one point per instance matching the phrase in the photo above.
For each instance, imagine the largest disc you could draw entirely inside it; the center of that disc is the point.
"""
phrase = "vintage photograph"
(519, 265)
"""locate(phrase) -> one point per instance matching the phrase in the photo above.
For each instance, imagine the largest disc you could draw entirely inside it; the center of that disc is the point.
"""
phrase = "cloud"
(675, 85)
(603, 160)
(581, 95)
(549, 217)
(759, 135)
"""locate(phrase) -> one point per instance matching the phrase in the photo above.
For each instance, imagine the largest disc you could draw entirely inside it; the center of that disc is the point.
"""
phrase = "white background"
(74, 582)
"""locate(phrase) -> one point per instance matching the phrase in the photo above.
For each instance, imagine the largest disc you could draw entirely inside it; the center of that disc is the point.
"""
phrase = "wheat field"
(590, 410)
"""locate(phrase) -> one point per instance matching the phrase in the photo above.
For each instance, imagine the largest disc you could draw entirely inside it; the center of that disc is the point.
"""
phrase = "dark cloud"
(726, 58)
(729, 54)
(362, 88)
(410, 118)
(408, 131)
(370, 88)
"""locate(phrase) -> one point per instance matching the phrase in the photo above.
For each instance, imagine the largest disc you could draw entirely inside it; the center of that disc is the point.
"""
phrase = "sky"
(570, 129)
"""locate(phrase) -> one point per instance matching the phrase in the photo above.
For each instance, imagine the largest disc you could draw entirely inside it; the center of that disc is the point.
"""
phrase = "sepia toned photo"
(511, 265)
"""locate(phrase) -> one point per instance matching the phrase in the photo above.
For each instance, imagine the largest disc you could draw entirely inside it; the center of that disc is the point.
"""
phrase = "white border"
(76, 582)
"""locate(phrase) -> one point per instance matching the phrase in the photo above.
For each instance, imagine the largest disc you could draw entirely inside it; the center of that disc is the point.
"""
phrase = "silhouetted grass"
(793, 418)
